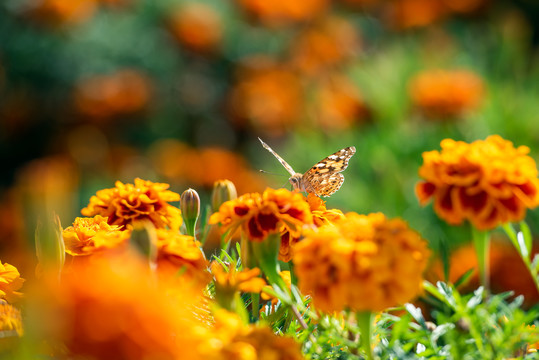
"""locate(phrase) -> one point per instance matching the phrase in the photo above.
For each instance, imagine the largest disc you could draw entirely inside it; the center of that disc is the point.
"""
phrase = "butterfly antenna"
(267, 172)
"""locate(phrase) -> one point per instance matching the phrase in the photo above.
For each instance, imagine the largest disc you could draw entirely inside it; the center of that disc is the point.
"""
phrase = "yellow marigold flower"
(10, 326)
(10, 320)
(89, 235)
(177, 253)
(130, 203)
(10, 282)
(275, 211)
(321, 216)
(488, 182)
(288, 281)
(233, 340)
(230, 280)
(362, 262)
(445, 93)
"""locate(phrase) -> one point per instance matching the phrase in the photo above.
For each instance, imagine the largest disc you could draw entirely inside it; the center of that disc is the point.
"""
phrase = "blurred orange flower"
(268, 97)
(507, 271)
(124, 92)
(113, 309)
(339, 104)
(58, 12)
(362, 262)
(488, 182)
(127, 204)
(197, 27)
(283, 12)
(231, 280)
(10, 282)
(258, 215)
(465, 6)
(405, 14)
(324, 45)
(181, 254)
(89, 235)
(445, 93)
(180, 162)
(11, 327)
(233, 340)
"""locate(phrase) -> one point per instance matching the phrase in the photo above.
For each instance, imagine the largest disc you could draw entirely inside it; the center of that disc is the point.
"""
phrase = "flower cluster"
(89, 235)
(259, 215)
(487, 182)
(362, 262)
(127, 204)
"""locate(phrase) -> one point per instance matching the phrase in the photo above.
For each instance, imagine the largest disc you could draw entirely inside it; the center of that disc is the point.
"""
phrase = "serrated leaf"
(476, 298)
(416, 314)
(441, 330)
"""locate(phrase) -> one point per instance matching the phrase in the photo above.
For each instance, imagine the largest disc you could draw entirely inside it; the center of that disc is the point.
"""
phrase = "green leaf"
(526, 233)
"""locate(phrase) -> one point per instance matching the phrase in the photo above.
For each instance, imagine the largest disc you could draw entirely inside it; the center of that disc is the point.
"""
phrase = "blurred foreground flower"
(260, 215)
(197, 27)
(444, 93)
(10, 282)
(233, 340)
(112, 309)
(488, 182)
(89, 235)
(127, 204)
(362, 263)
(11, 327)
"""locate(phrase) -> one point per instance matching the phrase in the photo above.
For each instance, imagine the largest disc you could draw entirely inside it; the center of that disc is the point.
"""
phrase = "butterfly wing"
(325, 177)
(281, 160)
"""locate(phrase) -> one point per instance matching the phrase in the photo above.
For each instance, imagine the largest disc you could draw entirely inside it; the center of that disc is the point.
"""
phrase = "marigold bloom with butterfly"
(324, 178)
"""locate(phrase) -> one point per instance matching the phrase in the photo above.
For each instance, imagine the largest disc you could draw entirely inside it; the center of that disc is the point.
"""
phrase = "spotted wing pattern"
(281, 160)
(325, 177)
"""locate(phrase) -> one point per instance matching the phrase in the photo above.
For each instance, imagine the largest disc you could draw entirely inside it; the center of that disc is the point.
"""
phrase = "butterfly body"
(324, 178)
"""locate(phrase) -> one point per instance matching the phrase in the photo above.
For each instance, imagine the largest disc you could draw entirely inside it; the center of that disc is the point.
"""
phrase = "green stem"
(525, 256)
(481, 240)
(255, 305)
(364, 321)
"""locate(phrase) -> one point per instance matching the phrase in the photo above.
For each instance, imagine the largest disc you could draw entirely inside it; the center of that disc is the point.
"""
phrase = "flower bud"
(223, 190)
(190, 206)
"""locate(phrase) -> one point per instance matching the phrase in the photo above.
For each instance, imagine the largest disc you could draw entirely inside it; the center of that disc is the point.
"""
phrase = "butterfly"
(324, 178)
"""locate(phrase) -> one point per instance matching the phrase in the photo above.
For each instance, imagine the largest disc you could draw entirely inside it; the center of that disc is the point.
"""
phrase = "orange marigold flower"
(58, 12)
(231, 280)
(115, 310)
(362, 262)
(274, 211)
(177, 253)
(10, 282)
(488, 182)
(405, 14)
(197, 27)
(127, 204)
(445, 93)
(321, 216)
(89, 235)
